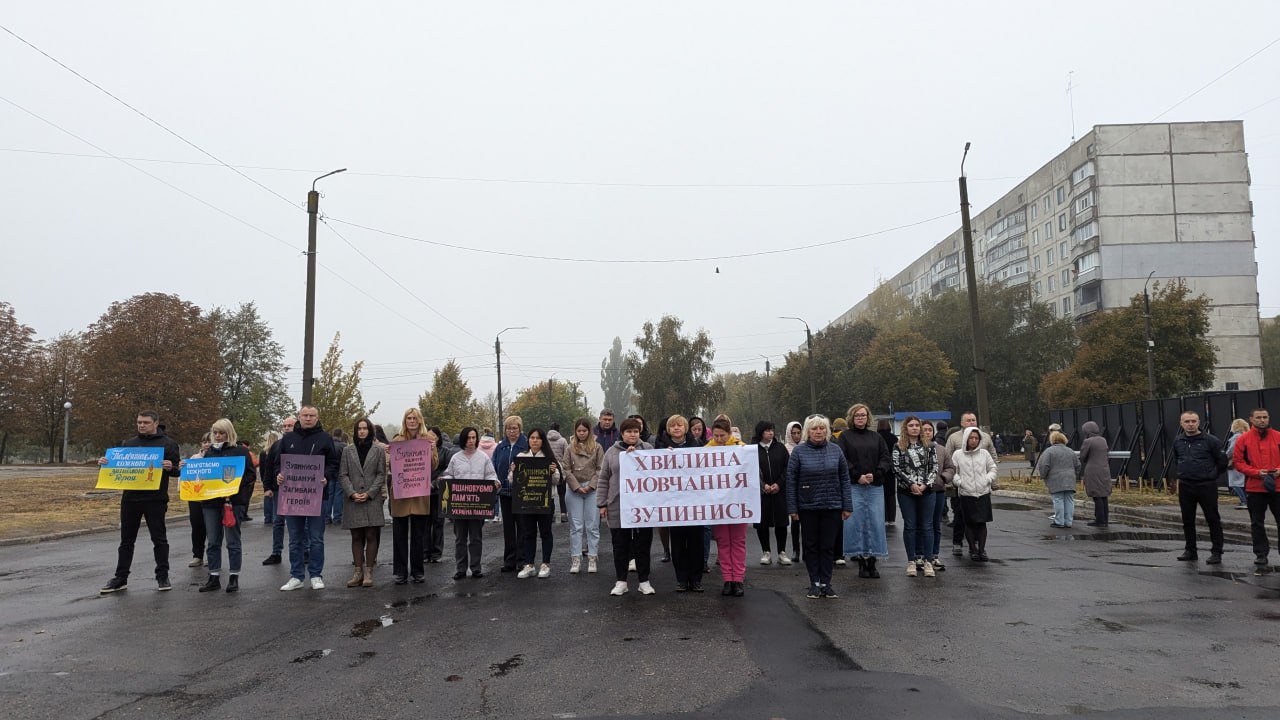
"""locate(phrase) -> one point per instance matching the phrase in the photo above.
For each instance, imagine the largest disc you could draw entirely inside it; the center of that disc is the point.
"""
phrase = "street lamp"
(768, 411)
(497, 351)
(971, 279)
(66, 428)
(309, 331)
(1151, 345)
(813, 387)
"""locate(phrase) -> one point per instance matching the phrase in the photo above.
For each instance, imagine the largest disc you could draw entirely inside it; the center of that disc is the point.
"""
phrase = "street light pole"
(66, 428)
(768, 410)
(813, 386)
(309, 331)
(1151, 345)
(497, 351)
(971, 277)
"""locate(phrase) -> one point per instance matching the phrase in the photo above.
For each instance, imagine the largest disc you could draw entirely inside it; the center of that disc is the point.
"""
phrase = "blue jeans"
(864, 530)
(214, 531)
(306, 535)
(917, 523)
(1238, 491)
(1064, 507)
(583, 518)
(939, 510)
(334, 501)
(268, 510)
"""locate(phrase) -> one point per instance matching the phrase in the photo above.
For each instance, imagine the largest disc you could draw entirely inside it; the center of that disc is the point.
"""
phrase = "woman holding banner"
(363, 476)
(686, 540)
(224, 444)
(533, 524)
(627, 542)
(469, 464)
(582, 461)
(409, 515)
(818, 495)
(731, 540)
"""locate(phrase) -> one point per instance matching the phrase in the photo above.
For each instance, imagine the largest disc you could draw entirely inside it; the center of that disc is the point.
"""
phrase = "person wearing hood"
(773, 496)
(558, 446)
(915, 466)
(974, 478)
(512, 444)
(1200, 458)
(149, 504)
(1059, 468)
(792, 437)
(308, 438)
(606, 431)
(581, 464)
(1257, 455)
(697, 431)
(819, 494)
(363, 479)
(627, 542)
(1096, 464)
(487, 444)
(870, 464)
(410, 517)
(955, 437)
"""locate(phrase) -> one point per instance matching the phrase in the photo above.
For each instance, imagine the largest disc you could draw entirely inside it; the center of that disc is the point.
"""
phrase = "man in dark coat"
(1200, 458)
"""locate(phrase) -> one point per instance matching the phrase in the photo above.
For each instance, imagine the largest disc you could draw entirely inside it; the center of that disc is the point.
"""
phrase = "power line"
(641, 261)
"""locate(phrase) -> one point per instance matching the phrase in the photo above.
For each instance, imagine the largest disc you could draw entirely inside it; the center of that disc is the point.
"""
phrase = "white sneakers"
(317, 582)
(840, 561)
(544, 571)
(765, 559)
(575, 565)
(783, 559)
(196, 562)
(646, 588)
(293, 584)
(911, 568)
(526, 572)
(619, 588)
(928, 570)
(591, 563)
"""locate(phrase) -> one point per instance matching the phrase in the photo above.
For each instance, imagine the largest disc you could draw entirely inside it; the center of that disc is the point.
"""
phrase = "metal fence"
(1144, 431)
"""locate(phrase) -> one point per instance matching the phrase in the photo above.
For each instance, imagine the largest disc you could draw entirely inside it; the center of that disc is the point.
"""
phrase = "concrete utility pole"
(813, 386)
(971, 277)
(1151, 344)
(309, 331)
(768, 404)
(497, 351)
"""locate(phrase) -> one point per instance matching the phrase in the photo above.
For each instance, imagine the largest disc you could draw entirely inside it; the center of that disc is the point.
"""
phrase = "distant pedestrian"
(1029, 447)
(1235, 478)
(1096, 464)
(870, 464)
(1059, 468)
(974, 478)
(627, 542)
(409, 516)
(224, 443)
(999, 444)
(773, 498)
(363, 479)
(469, 464)
(137, 505)
(915, 464)
(1257, 455)
(306, 533)
(819, 495)
(1199, 458)
(581, 465)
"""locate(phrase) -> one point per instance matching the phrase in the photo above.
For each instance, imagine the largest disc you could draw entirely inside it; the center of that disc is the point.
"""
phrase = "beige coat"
(408, 506)
(581, 469)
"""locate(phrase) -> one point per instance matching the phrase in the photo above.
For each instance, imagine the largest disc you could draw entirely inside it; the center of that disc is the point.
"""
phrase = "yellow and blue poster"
(210, 478)
(132, 468)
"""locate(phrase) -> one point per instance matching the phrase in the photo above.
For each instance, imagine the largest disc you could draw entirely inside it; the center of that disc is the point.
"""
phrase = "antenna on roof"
(1071, 104)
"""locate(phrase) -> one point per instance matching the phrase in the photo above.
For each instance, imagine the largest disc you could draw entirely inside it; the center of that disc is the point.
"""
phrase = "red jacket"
(1254, 454)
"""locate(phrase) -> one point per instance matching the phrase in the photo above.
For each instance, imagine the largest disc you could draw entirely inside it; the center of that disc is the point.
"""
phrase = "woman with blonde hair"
(818, 495)
(1059, 468)
(870, 465)
(1235, 478)
(224, 443)
(409, 515)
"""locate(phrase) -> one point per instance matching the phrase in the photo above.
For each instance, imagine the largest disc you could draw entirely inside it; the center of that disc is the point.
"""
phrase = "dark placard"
(531, 486)
(469, 499)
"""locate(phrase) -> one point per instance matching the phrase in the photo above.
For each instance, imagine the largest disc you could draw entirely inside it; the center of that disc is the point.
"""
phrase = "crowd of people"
(833, 488)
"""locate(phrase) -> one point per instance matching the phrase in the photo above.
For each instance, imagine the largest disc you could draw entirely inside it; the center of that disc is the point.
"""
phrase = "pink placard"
(410, 468)
(302, 490)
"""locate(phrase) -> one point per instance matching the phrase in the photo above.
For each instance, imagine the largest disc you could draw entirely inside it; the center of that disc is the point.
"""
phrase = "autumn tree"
(254, 396)
(671, 372)
(16, 346)
(887, 308)
(836, 350)
(449, 405)
(615, 381)
(903, 370)
(153, 351)
(1269, 337)
(547, 402)
(1110, 365)
(746, 399)
(336, 392)
(55, 375)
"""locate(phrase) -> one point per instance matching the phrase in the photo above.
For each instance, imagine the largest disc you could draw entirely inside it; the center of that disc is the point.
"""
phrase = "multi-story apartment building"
(1084, 232)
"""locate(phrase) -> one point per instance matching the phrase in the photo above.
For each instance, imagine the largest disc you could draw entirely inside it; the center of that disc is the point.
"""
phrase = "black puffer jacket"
(1199, 457)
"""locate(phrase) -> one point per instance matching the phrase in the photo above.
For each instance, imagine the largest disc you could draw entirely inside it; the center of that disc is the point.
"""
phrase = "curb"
(1233, 530)
(32, 539)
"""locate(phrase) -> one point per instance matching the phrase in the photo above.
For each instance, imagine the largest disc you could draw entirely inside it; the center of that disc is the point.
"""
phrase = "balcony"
(1083, 309)
(1093, 274)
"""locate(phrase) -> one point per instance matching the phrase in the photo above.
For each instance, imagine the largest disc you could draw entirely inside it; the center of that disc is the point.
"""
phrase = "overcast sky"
(602, 131)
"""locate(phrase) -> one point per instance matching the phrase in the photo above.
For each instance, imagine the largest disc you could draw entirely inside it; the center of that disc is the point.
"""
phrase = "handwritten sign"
(469, 499)
(302, 490)
(410, 468)
(531, 486)
(697, 486)
(210, 478)
(132, 468)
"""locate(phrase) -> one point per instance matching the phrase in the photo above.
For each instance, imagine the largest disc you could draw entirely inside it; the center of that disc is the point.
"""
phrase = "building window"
(1082, 203)
(1053, 309)
(1066, 306)
(1084, 232)
(1048, 231)
(1035, 236)
(1033, 211)
(1081, 173)
(1037, 288)
(1087, 262)
(1062, 222)
(1048, 257)
(1066, 277)
(1048, 204)
(1062, 194)
(1035, 263)
(1062, 248)
(1053, 287)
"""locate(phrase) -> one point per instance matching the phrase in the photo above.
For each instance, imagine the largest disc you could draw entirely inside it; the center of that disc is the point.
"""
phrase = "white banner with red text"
(693, 486)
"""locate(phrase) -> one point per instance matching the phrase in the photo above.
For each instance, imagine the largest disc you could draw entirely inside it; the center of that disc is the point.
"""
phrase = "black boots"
(862, 567)
(871, 568)
(212, 584)
(233, 583)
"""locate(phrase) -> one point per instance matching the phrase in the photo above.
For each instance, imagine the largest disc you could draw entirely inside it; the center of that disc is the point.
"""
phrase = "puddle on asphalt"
(310, 656)
(1107, 536)
(1011, 506)
(364, 627)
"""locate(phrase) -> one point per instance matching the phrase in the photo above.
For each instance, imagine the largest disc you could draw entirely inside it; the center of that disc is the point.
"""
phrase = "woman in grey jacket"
(363, 476)
(1060, 468)
(1097, 472)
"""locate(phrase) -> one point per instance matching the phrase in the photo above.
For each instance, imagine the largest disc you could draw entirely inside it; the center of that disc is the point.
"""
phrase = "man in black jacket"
(1200, 459)
(135, 505)
(306, 533)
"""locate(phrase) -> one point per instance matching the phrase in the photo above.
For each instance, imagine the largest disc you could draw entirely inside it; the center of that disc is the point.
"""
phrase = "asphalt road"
(1061, 623)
